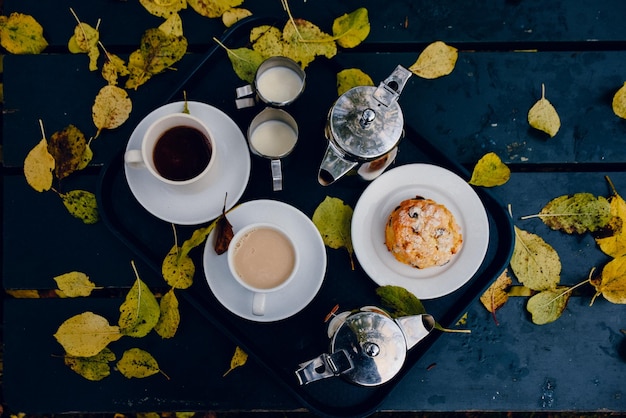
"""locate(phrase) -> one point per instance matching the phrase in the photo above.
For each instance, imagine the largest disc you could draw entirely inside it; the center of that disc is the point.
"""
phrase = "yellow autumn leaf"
(163, 8)
(612, 281)
(213, 8)
(170, 315)
(612, 238)
(74, 284)
(490, 171)
(21, 34)
(82, 205)
(113, 68)
(86, 334)
(140, 311)
(39, 167)
(304, 41)
(157, 52)
(239, 358)
(137, 363)
(23, 293)
(619, 102)
(267, 41)
(349, 30)
(92, 368)
(543, 116)
(85, 40)
(67, 147)
(496, 295)
(234, 15)
(436, 60)
(111, 108)
(535, 263)
(548, 305)
(333, 218)
(178, 270)
(173, 26)
(352, 77)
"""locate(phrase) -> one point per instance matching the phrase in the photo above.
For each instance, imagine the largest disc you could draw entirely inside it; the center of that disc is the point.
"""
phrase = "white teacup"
(177, 149)
(263, 259)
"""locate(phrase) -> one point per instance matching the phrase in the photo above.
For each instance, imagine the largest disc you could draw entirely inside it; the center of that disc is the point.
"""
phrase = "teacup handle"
(277, 175)
(134, 158)
(258, 304)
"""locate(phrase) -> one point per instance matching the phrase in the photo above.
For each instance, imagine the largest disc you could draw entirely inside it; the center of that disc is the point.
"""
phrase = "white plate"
(201, 201)
(432, 182)
(299, 292)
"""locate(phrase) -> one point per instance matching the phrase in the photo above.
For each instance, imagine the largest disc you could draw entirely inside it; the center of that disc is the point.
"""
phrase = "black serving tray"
(280, 346)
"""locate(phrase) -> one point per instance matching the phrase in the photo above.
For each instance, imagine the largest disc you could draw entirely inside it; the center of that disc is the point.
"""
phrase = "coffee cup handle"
(277, 175)
(134, 158)
(258, 304)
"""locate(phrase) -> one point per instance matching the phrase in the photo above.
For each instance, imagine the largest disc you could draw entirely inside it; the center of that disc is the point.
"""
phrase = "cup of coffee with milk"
(263, 259)
(177, 149)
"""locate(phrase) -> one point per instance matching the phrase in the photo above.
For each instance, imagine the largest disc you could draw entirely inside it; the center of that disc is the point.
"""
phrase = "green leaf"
(548, 305)
(351, 29)
(178, 270)
(490, 171)
(333, 219)
(137, 363)
(535, 263)
(82, 205)
(352, 77)
(403, 302)
(21, 34)
(245, 62)
(140, 311)
(170, 315)
(92, 368)
(578, 213)
(157, 52)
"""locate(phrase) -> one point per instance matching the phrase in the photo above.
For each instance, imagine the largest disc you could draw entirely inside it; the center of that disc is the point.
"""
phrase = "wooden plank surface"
(578, 52)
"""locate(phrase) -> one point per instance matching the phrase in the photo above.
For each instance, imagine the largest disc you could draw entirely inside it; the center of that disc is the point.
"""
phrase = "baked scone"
(422, 233)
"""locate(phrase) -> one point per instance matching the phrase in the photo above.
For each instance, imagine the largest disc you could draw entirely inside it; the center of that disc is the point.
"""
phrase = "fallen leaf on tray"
(92, 368)
(497, 294)
(234, 15)
(333, 221)
(612, 238)
(140, 311)
(619, 102)
(350, 78)
(163, 8)
(169, 319)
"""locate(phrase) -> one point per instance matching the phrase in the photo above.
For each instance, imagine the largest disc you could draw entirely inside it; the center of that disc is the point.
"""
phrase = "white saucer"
(299, 292)
(201, 201)
(442, 186)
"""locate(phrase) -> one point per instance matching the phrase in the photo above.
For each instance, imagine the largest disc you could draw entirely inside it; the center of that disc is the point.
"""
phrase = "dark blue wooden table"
(506, 51)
